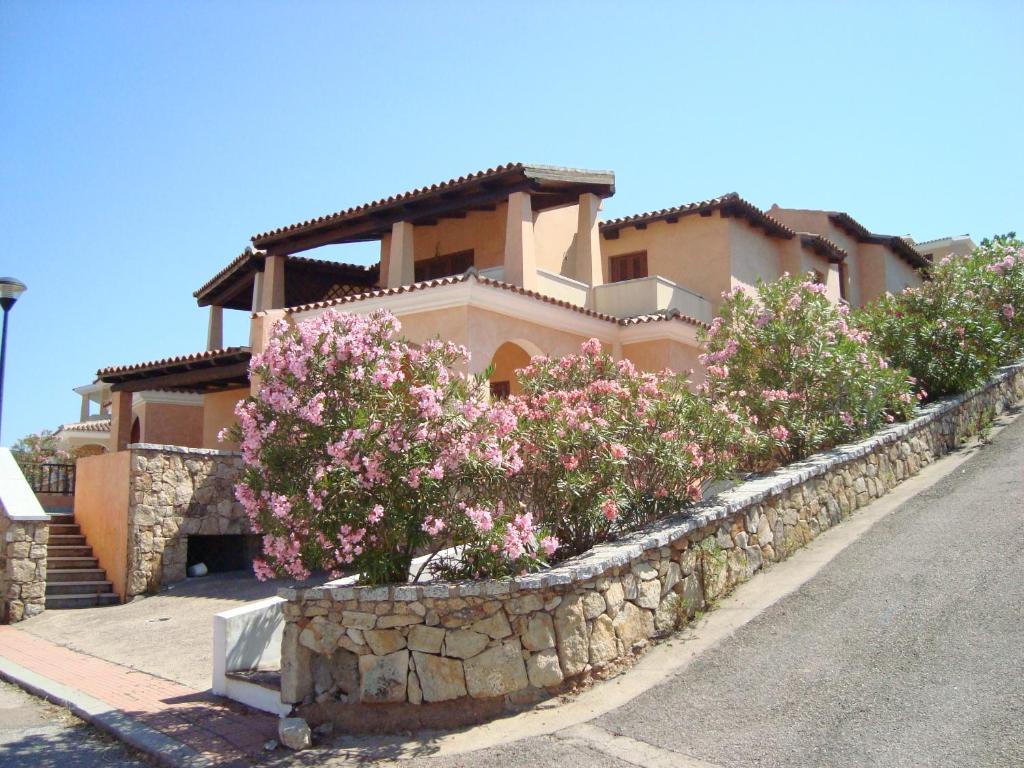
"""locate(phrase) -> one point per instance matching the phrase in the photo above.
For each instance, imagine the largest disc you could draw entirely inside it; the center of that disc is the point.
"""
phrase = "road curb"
(160, 748)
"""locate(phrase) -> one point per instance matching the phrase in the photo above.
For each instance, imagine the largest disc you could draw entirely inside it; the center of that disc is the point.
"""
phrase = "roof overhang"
(549, 187)
(306, 280)
(896, 244)
(822, 246)
(212, 371)
(730, 205)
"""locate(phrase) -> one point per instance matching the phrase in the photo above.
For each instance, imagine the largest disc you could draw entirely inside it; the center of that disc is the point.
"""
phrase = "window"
(443, 266)
(500, 390)
(628, 266)
(819, 277)
(843, 276)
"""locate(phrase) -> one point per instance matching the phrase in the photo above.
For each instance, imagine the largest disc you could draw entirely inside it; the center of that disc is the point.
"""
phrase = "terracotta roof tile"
(249, 254)
(498, 284)
(94, 425)
(901, 247)
(209, 355)
(822, 245)
(732, 200)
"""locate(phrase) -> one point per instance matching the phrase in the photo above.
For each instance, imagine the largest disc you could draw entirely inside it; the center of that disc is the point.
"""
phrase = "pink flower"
(610, 509)
(1008, 311)
(433, 525)
(376, 513)
(549, 544)
(779, 432)
(618, 451)
(570, 462)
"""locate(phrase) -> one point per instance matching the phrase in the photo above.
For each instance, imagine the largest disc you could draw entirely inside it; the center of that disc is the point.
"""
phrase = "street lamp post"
(10, 290)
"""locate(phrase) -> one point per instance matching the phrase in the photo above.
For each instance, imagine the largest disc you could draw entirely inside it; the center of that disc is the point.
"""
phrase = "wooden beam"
(185, 378)
(611, 234)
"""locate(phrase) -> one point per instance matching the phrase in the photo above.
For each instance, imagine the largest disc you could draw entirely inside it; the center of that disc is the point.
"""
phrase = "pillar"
(400, 269)
(257, 292)
(120, 420)
(84, 413)
(215, 328)
(589, 267)
(520, 248)
(273, 282)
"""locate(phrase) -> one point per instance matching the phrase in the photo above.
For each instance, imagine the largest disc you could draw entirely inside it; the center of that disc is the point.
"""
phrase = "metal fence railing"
(51, 478)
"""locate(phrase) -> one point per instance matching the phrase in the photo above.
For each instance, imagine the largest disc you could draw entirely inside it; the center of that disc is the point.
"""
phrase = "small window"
(843, 277)
(628, 266)
(443, 266)
(500, 390)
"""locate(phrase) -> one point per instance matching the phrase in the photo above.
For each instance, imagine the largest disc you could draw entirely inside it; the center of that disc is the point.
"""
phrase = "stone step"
(55, 575)
(60, 588)
(62, 519)
(67, 540)
(80, 601)
(65, 563)
(73, 550)
(64, 529)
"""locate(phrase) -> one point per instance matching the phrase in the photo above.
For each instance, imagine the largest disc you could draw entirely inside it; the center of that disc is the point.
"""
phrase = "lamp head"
(10, 290)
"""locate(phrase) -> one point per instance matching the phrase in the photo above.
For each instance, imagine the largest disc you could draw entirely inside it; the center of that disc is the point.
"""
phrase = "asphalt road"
(905, 650)
(35, 734)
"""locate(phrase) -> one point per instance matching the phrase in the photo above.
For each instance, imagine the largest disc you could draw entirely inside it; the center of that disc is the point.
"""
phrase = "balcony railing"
(648, 295)
(51, 478)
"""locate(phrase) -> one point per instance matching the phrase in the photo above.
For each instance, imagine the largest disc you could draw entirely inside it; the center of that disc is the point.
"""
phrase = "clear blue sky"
(143, 143)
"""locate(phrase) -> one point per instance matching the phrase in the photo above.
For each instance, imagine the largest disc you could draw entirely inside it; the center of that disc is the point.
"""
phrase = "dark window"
(628, 266)
(843, 276)
(443, 266)
(500, 390)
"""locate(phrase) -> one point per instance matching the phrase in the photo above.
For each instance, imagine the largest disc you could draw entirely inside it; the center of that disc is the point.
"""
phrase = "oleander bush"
(362, 450)
(607, 448)
(809, 379)
(952, 332)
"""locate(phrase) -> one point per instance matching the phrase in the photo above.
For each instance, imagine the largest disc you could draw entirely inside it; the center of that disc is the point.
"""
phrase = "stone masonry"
(384, 658)
(174, 493)
(23, 547)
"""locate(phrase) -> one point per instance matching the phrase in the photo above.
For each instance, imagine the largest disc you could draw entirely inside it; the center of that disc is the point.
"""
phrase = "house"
(875, 264)
(510, 262)
(938, 249)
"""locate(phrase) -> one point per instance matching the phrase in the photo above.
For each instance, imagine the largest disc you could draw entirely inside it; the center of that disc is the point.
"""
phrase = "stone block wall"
(175, 493)
(23, 546)
(387, 658)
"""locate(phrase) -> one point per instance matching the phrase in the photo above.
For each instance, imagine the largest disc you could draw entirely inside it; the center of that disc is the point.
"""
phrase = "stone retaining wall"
(23, 546)
(175, 493)
(411, 656)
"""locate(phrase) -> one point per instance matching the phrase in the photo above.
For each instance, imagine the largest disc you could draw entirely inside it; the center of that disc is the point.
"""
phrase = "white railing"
(246, 639)
(647, 295)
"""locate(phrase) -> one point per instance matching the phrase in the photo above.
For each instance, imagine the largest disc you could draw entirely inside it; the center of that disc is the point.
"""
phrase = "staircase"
(74, 578)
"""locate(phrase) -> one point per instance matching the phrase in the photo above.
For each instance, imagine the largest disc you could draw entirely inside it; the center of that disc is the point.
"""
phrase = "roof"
(899, 246)
(550, 186)
(232, 286)
(472, 274)
(94, 425)
(198, 372)
(822, 246)
(729, 205)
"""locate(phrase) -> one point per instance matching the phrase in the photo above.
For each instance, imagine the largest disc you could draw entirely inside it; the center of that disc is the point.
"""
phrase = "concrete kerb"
(164, 750)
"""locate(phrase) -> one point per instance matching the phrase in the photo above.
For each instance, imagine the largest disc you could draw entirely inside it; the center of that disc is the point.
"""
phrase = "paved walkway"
(181, 725)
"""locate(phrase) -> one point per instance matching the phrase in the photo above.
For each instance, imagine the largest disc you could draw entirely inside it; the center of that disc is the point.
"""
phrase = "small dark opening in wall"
(222, 553)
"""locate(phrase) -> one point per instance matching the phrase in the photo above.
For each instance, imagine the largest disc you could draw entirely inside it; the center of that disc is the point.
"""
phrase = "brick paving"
(225, 732)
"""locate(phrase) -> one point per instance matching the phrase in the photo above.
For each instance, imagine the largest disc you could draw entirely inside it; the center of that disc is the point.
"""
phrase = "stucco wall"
(392, 658)
(170, 424)
(218, 413)
(659, 354)
(554, 232)
(899, 275)
(507, 360)
(819, 223)
(693, 252)
(481, 231)
(101, 509)
(754, 255)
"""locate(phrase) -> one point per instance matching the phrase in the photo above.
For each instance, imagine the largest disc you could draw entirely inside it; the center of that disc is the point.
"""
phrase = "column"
(215, 328)
(400, 270)
(273, 282)
(257, 292)
(84, 413)
(120, 420)
(520, 248)
(589, 268)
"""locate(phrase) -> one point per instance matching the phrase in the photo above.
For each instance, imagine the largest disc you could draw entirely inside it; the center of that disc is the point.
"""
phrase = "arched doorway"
(136, 431)
(507, 359)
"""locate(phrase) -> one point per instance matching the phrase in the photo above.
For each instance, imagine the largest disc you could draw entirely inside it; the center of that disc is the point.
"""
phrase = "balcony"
(648, 295)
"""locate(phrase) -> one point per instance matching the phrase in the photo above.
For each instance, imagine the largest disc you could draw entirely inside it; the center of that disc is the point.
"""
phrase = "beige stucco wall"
(101, 509)
(218, 413)
(171, 424)
(754, 255)
(899, 275)
(693, 252)
(659, 354)
(483, 232)
(554, 232)
(873, 260)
